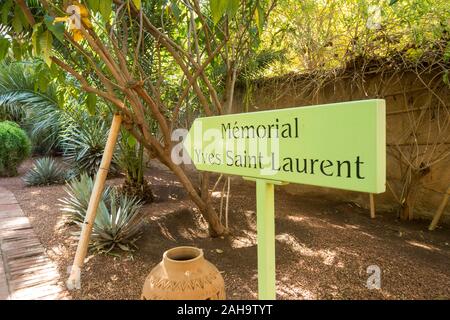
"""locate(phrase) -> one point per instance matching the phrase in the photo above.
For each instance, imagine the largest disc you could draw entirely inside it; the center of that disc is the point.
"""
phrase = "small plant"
(15, 147)
(131, 161)
(83, 146)
(118, 220)
(46, 171)
(79, 192)
(120, 225)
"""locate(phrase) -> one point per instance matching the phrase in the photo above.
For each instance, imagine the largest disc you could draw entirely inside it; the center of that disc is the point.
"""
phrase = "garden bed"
(323, 247)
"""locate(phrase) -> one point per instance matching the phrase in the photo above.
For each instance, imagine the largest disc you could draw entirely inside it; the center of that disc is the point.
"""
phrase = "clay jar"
(184, 274)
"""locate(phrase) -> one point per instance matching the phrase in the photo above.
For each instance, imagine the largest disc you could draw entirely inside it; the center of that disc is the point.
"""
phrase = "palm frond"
(21, 101)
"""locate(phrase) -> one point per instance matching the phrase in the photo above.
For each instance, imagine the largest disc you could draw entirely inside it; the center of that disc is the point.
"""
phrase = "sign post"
(265, 228)
(340, 145)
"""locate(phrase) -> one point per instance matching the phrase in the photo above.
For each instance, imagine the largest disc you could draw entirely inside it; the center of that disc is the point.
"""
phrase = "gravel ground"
(323, 247)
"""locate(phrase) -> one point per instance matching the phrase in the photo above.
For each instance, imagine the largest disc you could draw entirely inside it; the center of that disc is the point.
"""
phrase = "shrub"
(118, 221)
(45, 171)
(83, 145)
(131, 161)
(15, 147)
(31, 102)
(79, 192)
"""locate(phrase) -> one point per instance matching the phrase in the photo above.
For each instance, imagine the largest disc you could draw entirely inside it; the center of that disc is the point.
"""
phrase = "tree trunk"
(208, 212)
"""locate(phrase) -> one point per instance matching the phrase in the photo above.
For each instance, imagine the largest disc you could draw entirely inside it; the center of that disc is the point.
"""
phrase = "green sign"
(340, 145)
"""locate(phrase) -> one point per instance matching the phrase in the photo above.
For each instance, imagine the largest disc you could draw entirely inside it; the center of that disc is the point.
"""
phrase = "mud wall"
(418, 130)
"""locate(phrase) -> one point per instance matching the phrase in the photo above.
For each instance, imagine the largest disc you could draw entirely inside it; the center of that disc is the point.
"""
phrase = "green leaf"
(218, 8)
(233, 6)
(176, 12)
(6, 9)
(37, 29)
(17, 50)
(91, 103)
(393, 2)
(56, 29)
(17, 20)
(94, 5)
(23, 19)
(137, 4)
(105, 9)
(259, 17)
(43, 81)
(123, 247)
(445, 78)
(45, 43)
(54, 71)
(131, 141)
(4, 46)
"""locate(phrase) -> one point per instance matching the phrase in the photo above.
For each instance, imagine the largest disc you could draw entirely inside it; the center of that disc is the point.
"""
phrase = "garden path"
(26, 273)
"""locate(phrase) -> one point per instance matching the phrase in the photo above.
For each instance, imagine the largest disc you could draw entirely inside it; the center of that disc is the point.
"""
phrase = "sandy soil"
(323, 247)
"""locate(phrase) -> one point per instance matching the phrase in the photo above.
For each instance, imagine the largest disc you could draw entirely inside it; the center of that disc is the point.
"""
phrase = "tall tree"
(154, 61)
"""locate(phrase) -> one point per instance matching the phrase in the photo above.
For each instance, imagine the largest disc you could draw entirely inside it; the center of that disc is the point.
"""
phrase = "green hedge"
(15, 146)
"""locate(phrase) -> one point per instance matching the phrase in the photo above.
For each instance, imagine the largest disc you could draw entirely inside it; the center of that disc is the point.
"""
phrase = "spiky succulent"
(120, 225)
(118, 220)
(83, 146)
(79, 192)
(45, 171)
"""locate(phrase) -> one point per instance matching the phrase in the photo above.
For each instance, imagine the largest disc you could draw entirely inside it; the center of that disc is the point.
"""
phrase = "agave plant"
(118, 220)
(45, 171)
(120, 226)
(83, 144)
(79, 192)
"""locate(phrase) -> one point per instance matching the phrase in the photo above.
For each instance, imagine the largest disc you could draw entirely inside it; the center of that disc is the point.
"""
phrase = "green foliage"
(118, 220)
(326, 35)
(27, 98)
(120, 227)
(221, 7)
(4, 46)
(57, 29)
(45, 171)
(131, 157)
(15, 146)
(131, 161)
(83, 144)
(259, 63)
(79, 192)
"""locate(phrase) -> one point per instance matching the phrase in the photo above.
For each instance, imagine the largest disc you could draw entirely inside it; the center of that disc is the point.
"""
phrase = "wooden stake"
(440, 210)
(74, 279)
(372, 206)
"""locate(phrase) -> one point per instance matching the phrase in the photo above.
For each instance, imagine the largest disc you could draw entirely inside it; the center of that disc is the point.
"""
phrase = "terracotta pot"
(184, 274)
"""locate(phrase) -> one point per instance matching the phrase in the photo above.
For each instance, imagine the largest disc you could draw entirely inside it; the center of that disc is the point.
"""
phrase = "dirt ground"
(323, 247)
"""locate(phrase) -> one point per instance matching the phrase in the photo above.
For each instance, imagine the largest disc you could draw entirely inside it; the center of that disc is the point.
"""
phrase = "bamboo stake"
(226, 203)
(222, 195)
(372, 206)
(74, 279)
(440, 210)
